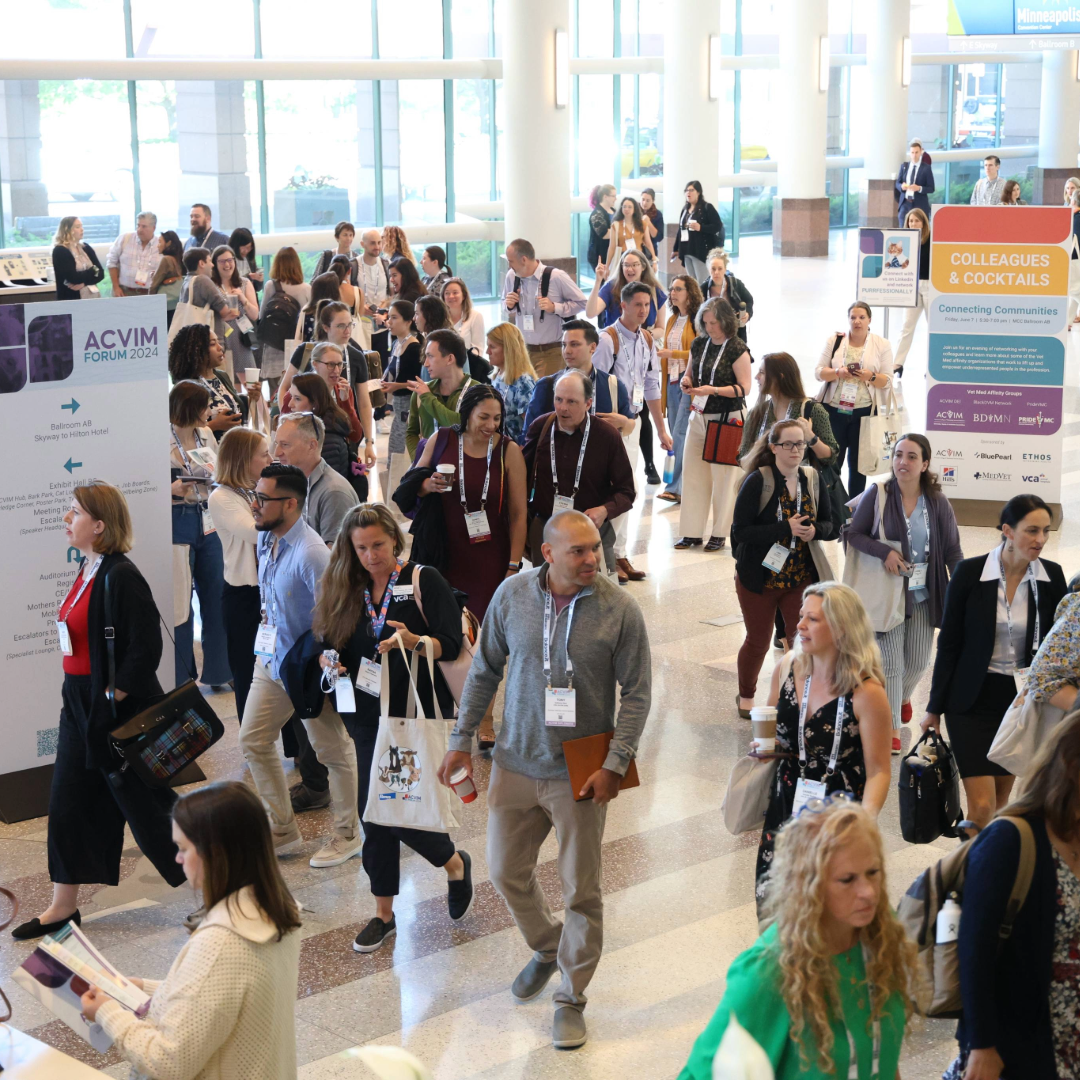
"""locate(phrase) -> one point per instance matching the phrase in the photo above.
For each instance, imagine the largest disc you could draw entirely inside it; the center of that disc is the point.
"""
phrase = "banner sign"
(999, 279)
(888, 273)
(1027, 23)
(84, 394)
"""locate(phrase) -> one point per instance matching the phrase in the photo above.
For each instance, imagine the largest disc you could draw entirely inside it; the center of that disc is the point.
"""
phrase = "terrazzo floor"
(678, 888)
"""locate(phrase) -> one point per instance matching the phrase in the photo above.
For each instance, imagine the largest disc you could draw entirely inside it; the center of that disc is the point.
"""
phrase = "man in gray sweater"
(596, 639)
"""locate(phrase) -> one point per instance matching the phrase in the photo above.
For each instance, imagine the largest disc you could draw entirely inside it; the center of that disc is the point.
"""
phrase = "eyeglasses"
(226, 262)
(262, 499)
(816, 805)
(329, 366)
(800, 446)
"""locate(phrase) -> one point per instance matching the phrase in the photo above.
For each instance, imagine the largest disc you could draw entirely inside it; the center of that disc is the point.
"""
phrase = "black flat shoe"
(715, 543)
(35, 928)
(688, 542)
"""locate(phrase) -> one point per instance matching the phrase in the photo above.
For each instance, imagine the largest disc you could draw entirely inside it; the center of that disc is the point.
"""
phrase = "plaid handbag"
(162, 740)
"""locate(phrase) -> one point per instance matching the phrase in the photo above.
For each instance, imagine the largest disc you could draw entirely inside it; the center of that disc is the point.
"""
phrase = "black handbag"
(162, 740)
(929, 793)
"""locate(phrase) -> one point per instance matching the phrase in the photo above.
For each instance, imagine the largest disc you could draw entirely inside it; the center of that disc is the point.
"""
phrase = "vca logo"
(41, 352)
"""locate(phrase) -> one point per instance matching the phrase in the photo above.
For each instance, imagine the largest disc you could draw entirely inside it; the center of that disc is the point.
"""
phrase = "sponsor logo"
(1042, 478)
(1036, 421)
(400, 770)
(994, 457)
(387, 795)
(993, 476)
(948, 475)
(949, 414)
(954, 454)
(992, 418)
(412, 798)
(1037, 457)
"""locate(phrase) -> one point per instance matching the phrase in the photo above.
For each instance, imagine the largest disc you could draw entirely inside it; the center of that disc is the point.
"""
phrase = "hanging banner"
(888, 273)
(999, 278)
(84, 394)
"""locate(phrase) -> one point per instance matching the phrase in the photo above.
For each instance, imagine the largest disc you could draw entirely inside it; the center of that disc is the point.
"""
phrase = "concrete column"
(20, 151)
(888, 23)
(213, 152)
(801, 208)
(536, 159)
(1059, 127)
(691, 143)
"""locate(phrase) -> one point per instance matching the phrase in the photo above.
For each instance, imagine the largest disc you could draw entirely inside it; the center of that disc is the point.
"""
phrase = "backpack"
(277, 322)
(937, 967)
(545, 283)
(768, 485)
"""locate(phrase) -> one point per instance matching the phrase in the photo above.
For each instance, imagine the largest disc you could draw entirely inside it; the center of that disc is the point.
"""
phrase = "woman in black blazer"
(75, 264)
(92, 795)
(1020, 1002)
(700, 230)
(973, 682)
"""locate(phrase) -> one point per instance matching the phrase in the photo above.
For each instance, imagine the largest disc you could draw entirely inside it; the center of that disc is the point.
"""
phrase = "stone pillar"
(801, 208)
(536, 196)
(20, 151)
(691, 143)
(213, 153)
(888, 23)
(1059, 128)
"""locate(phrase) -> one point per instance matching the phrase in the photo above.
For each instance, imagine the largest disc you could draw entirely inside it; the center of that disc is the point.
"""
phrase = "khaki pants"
(521, 813)
(705, 485)
(547, 359)
(632, 442)
(267, 709)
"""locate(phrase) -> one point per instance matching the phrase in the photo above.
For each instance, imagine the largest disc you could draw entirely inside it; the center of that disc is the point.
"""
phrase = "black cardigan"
(137, 647)
(968, 626)
(703, 240)
(738, 294)
(753, 533)
(1005, 985)
(64, 270)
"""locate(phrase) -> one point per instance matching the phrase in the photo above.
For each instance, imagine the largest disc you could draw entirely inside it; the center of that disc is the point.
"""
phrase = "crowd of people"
(515, 476)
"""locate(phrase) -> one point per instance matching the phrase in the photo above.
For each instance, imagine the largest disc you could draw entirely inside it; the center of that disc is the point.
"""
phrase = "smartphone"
(856, 366)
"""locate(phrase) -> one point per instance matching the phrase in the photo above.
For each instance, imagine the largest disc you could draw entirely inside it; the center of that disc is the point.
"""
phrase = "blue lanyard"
(379, 621)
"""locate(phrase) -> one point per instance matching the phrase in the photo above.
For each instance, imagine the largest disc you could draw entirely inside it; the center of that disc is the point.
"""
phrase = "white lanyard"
(716, 364)
(82, 587)
(841, 712)
(548, 604)
(853, 1064)
(461, 471)
(192, 465)
(271, 575)
(926, 523)
(1033, 588)
(580, 459)
(798, 509)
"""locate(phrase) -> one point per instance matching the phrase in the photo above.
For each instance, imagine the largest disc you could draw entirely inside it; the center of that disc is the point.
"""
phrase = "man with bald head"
(596, 645)
(374, 279)
(591, 470)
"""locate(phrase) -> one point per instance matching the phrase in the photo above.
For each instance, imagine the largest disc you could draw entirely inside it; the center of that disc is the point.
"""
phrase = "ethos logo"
(1036, 457)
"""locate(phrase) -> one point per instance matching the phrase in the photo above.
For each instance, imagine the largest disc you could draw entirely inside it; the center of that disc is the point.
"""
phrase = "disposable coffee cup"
(447, 472)
(251, 374)
(763, 722)
(765, 746)
(462, 783)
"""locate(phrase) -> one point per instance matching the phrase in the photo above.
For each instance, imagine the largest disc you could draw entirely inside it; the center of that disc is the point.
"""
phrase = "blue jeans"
(208, 573)
(678, 416)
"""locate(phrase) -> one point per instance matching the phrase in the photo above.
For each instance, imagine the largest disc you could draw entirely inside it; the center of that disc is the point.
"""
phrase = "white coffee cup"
(462, 783)
(764, 746)
(763, 721)
(252, 374)
(447, 473)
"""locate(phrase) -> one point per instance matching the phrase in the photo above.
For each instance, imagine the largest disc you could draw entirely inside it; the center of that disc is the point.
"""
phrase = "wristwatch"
(813, 441)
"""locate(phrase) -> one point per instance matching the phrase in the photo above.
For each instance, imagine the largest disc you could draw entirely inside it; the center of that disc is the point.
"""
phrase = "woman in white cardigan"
(225, 1010)
(464, 318)
(855, 367)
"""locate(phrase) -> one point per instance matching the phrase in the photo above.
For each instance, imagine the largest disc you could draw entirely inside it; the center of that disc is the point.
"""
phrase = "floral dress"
(1065, 977)
(850, 775)
(516, 397)
(799, 569)
(1058, 659)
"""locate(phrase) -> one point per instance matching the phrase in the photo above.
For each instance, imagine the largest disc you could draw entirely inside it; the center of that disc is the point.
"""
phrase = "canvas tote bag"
(883, 594)
(878, 435)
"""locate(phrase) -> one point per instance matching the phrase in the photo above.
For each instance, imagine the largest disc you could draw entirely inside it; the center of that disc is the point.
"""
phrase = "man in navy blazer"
(914, 183)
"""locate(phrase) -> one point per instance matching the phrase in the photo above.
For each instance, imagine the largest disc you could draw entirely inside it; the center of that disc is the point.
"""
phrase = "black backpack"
(277, 321)
(545, 283)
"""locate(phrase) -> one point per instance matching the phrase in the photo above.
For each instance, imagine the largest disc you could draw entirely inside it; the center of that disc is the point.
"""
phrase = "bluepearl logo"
(1042, 478)
(1036, 457)
(993, 476)
(955, 455)
(994, 457)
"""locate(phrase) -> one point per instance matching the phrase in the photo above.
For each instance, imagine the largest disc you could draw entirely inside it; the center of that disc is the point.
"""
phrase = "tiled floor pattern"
(678, 889)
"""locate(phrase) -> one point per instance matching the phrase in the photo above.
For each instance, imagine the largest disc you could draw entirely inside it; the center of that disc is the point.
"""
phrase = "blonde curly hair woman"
(828, 982)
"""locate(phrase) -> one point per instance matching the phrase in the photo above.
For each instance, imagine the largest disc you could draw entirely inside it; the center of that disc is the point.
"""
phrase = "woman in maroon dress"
(483, 504)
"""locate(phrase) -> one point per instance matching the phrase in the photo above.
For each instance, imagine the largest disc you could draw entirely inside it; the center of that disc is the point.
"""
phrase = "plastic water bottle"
(669, 467)
(948, 921)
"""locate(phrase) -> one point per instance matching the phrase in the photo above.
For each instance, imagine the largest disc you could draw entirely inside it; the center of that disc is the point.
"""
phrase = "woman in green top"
(832, 972)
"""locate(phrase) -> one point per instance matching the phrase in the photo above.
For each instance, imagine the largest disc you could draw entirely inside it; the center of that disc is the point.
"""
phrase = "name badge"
(1020, 676)
(560, 707)
(777, 557)
(344, 698)
(243, 324)
(527, 324)
(478, 527)
(140, 282)
(697, 403)
(849, 394)
(369, 677)
(684, 235)
(631, 244)
(918, 576)
(639, 395)
(401, 592)
(265, 641)
(207, 523)
(65, 638)
(561, 503)
(805, 790)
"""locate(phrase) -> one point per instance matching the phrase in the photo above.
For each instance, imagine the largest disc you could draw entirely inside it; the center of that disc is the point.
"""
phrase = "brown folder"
(585, 756)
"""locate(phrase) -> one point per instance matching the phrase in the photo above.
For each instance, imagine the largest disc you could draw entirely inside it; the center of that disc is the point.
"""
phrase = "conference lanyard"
(548, 604)
(192, 465)
(716, 364)
(379, 621)
(580, 460)
(841, 712)
(82, 588)
(270, 609)
(798, 509)
(1033, 586)
(461, 472)
(853, 1064)
(926, 523)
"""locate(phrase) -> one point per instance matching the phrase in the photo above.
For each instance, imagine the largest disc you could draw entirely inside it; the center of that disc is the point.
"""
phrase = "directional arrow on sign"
(70, 465)
(74, 406)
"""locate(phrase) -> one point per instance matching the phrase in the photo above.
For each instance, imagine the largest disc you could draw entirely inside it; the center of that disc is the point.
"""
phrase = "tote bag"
(189, 314)
(722, 441)
(883, 594)
(1023, 729)
(878, 435)
(747, 795)
(403, 790)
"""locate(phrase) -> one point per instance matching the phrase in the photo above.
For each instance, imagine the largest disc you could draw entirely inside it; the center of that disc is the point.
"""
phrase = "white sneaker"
(337, 851)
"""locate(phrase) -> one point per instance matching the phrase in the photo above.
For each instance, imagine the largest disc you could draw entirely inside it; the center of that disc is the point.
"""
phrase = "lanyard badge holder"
(333, 683)
(805, 790)
(875, 1051)
(61, 621)
(477, 522)
(1020, 674)
(919, 569)
(369, 677)
(560, 703)
(266, 635)
(566, 502)
(779, 553)
(697, 401)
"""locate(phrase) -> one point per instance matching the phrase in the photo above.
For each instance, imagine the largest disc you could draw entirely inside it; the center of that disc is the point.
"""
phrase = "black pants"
(382, 843)
(645, 438)
(240, 612)
(295, 742)
(87, 812)
(846, 427)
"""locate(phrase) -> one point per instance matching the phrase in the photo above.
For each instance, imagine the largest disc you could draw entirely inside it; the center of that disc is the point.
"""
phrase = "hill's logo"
(948, 474)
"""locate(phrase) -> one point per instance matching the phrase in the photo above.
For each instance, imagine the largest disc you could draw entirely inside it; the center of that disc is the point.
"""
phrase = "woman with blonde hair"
(825, 991)
(513, 375)
(396, 243)
(464, 318)
(833, 722)
(723, 283)
(605, 299)
(76, 267)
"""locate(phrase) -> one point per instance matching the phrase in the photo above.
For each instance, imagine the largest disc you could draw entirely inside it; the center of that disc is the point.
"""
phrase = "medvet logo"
(1036, 457)
(993, 476)
(1042, 478)
(994, 457)
(956, 455)
(1036, 421)
(948, 475)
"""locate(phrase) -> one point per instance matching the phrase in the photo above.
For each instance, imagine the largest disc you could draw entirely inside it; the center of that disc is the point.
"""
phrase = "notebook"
(585, 756)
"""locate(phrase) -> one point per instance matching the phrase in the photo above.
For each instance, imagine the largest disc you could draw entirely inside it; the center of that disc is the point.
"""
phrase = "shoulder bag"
(188, 314)
(453, 671)
(929, 791)
(162, 740)
(878, 435)
(883, 594)
(830, 477)
(1023, 729)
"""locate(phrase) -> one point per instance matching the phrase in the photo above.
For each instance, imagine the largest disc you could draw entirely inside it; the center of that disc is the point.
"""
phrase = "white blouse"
(1006, 649)
(235, 526)
(472, 331)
